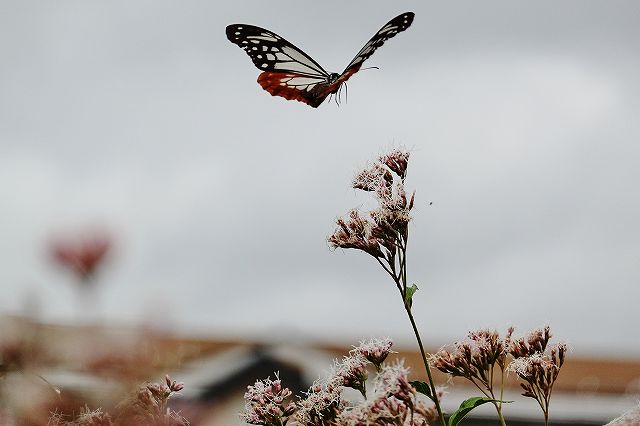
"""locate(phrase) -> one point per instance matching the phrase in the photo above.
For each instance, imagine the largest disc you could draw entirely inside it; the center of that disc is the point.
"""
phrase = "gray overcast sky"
(141, 117)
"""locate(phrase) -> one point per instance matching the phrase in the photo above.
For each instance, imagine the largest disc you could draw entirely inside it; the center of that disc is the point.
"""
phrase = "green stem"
(401, 282)
(426, 366)
(499, 407)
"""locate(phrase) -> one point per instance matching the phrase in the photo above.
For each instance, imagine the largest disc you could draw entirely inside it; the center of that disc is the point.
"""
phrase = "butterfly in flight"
(289, 72)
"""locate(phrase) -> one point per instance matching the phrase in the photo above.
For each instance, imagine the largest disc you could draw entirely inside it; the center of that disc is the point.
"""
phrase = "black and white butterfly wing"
(389, 30)
(286, 70)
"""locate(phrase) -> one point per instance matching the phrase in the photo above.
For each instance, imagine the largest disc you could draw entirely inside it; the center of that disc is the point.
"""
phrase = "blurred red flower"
(81, 255)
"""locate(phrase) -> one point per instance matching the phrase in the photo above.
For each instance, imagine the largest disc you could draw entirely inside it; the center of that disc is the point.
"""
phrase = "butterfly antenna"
(369, 68)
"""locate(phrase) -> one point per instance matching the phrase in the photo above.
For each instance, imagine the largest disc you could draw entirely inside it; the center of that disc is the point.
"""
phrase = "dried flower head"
(382, 231)
(535, 342)
(322, 403)
(93, 418)
(267, 403)
(353, 372)
(473, 358)
(374, 350)
(372, 178)
(394, 402)
(355, 232)
(86, 417)
(148, 406)
(397, 160)
(537, 365)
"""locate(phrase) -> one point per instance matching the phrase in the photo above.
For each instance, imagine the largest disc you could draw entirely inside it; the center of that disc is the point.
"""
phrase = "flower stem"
(426, 366)
(401, 282)
(499, 406)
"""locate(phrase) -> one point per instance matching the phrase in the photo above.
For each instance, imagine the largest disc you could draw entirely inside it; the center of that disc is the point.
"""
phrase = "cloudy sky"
(142, 119)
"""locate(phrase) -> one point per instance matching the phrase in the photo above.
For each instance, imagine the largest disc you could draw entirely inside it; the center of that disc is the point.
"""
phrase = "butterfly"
(289, 72)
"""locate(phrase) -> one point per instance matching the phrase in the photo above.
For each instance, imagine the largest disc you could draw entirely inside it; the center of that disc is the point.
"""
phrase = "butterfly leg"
(346, 92)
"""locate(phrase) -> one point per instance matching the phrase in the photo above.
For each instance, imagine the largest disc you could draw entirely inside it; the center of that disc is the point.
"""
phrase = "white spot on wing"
(386, 30)
(302, 81)
(262, 37)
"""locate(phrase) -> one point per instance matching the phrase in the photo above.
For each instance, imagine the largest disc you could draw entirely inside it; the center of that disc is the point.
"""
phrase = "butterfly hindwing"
(311, 91)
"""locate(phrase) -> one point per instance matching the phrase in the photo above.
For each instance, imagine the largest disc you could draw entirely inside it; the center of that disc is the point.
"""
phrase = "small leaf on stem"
(467, 406)
(408, 296)
(422, 387)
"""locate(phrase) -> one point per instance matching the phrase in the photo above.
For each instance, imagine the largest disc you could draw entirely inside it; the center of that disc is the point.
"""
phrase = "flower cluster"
(535, 342)
(537, 365)
(266, 403)
(147, 407)
(394, 401)
(322, 403)
(374, 350)
(85, 418)
(352, 370)
(382, 231)
(475, 357)
(82, 256)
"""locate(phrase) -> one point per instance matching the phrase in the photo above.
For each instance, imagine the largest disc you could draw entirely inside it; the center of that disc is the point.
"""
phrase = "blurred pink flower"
(83, 255)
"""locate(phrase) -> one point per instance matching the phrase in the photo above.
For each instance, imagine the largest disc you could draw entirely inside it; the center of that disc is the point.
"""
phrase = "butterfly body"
(292, 74)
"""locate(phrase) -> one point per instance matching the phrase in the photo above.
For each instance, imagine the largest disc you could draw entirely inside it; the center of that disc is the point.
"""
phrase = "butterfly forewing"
(270, 52)
(389, 30)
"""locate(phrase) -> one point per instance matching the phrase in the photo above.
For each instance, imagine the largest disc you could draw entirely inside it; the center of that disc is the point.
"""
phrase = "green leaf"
(467, 406)
(422, 387)
(408, 296)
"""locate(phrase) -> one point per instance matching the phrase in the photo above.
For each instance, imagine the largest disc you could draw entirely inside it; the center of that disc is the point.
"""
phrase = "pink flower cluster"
(146, 407)
(266, 403)
(83, 255)
(394, 402)
(536, 364)
(377, 232)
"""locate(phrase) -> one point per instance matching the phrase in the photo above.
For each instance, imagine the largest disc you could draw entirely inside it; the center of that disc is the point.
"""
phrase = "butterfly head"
(333, 77)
